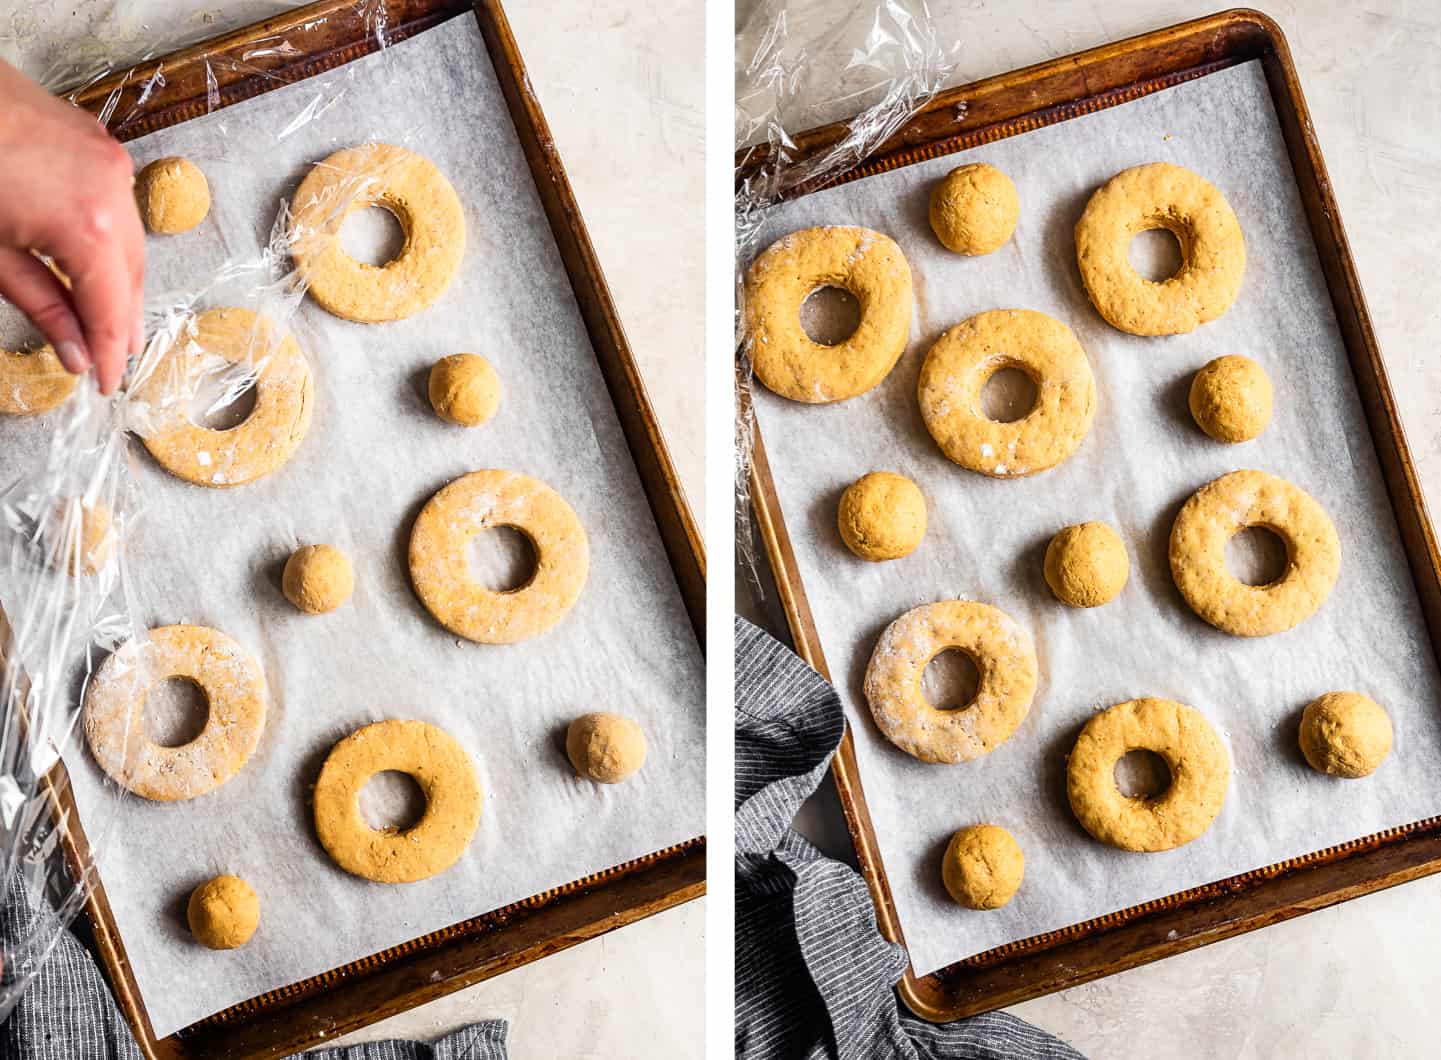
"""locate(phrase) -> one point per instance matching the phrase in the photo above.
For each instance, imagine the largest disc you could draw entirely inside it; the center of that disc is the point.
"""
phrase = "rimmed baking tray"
(323, 36)
(1020, 102)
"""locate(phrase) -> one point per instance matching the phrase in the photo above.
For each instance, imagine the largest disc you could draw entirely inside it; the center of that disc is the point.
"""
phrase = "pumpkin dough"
(173, 195)
(317, 579)
(464, 389)
(1087, 565)
(1345, 734)
(83, 537)
(974, 209)
(440, 568)
(1004, 656)
(234, 689)
(1200, 774)
(983, 867)
(1213, 250)
(223, 913)
(1222, 508)
(867, 264)
(452, 802)
(962, 361)
(422, 201)
(1231, 399)
(32, 382)
(270, 434)
(606, 748)
(882, 516)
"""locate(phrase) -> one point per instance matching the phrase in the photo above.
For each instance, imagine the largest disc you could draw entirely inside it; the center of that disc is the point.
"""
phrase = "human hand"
(70, 196)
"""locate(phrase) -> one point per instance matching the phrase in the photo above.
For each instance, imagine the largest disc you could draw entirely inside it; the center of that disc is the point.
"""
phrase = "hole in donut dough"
(1256, 556)
(392, 801)
(830, 315)
(175, 712)
(372, 236)
(223, 401)
(1156, 254)
(1008, 395)
(1142, 774)
(502, 559)
(951, 680)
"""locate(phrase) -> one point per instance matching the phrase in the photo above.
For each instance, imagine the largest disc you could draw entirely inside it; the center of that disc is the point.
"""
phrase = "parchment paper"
(1142, 459)
(375, 453)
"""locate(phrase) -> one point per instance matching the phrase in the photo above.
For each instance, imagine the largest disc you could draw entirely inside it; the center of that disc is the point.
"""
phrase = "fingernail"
(72, 357)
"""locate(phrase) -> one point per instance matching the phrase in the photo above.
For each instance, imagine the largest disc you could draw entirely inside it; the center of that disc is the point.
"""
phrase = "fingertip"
(73, 357)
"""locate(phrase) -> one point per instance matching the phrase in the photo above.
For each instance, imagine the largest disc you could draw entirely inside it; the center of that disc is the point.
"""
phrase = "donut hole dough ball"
(317, 579)
(32, 382)
(1231, 399)
(464, 389)
(1086, 565)
(983, 867)
(974, 209)
(1345, 734)
(606, 748)
(173, 196)
(882, 516)
(83, 537)
(223, 913)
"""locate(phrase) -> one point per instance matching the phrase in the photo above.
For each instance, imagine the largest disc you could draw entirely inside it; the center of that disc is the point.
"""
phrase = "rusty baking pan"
(1010, 105)
(323, 36)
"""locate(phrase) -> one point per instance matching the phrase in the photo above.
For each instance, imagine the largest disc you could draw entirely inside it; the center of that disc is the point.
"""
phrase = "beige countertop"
(1358, 979)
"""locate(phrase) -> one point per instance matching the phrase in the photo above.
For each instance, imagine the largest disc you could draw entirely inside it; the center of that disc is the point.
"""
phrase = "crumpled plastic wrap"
(66, 518)
(894, 62)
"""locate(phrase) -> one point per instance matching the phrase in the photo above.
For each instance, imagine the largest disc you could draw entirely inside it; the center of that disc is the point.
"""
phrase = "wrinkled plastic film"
(66, 515)
(890, 61)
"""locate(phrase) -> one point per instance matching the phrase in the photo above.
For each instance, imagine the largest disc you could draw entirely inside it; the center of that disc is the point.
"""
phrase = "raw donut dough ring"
(1181, 735)
(234, 688)
(1213, 250)
(452, 802)
(867, 264)
(284, 401)
(424, 203)
(1004, 656)
(33, 382)
(1229, 504)
(962, 361)
(439, 566)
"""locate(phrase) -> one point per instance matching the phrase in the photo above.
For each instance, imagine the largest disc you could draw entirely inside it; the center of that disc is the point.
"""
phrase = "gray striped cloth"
(67, 1012)
(814, 977)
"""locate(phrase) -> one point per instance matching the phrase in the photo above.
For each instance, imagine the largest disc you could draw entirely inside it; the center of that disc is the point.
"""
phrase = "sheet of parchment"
(1142, 459)
(374, 454)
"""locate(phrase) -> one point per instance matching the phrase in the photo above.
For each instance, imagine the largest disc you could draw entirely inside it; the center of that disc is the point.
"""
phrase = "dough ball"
(983, 866)
(173, 195)
(1087, 565)
(882, 516)
(464, 389)
(605, 747)
(974, 209)
(1231, 399)
(223, 913)
(318, 579)
(1345, 734)
(84, 537)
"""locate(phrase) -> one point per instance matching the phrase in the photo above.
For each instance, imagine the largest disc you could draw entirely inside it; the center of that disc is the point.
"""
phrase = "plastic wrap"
(891, 63)
(69, 501)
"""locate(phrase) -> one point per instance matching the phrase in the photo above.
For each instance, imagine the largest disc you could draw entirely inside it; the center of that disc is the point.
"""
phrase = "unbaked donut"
(1222, 508)
(962, 361)
(481, 500)
(446, 777)
(1184, 739)
(422, 201)
(270, 434)
(33, 381)
(1005, 659)
(867, 264)
(1213, 250)
(234, 689)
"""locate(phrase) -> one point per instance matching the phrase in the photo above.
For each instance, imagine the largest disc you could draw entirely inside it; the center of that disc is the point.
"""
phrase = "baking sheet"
(1142, 459)
(375, 453)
